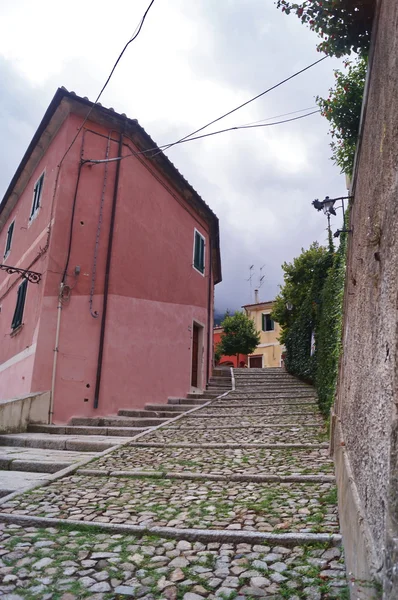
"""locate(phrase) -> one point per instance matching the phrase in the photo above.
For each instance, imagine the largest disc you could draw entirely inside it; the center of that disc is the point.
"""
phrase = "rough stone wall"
(367, 395)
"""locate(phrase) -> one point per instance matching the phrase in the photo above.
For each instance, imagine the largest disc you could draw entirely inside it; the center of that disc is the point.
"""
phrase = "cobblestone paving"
(246, 420)
(301, 507)
(89, 559)
(224, 461)
(258, 411)
(248, 435)
(55, 563)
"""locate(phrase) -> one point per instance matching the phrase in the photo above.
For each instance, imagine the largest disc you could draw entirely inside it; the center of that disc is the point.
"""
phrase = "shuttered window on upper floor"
(267, 323)
(10, 233)
(37, 193)
(199, 252)
(19, 308)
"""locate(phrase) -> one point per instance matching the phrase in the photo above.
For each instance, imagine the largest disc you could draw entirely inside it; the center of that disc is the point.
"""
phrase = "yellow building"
(269, 351)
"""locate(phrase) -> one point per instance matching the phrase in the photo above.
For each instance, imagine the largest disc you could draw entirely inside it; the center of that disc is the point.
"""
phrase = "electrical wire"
(249, 101)
(134, 36)
(294, 112)
(198, 137)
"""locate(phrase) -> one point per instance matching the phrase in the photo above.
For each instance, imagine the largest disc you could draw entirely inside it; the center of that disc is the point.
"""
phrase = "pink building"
(128, 256)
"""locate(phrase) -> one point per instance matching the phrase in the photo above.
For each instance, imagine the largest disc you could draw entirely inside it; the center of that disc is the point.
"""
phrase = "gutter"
(107, 276)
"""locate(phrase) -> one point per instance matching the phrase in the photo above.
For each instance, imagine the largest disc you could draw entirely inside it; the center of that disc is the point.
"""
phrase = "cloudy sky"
(193, 61)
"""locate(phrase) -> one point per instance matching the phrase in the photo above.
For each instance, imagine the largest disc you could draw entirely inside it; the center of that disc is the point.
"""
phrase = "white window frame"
(195, 231)
(35, 211)
(7, 252)
(267, 330)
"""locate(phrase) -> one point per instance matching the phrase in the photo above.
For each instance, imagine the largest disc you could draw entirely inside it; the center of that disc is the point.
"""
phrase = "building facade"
(269, 351)
(127, 256)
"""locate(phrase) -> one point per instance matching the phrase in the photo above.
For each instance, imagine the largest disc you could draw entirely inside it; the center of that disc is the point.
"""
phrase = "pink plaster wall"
(155, 293)
(28, 239)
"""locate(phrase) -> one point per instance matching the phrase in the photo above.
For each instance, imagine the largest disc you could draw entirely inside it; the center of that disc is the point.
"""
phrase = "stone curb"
(246, 426)
(211, 476)
(72, 468)
(267, 414)
(233, 379)
(231, 445)
(241, 405)
(193, 535)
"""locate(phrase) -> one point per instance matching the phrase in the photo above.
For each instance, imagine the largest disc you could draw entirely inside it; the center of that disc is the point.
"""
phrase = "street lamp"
(328, 207)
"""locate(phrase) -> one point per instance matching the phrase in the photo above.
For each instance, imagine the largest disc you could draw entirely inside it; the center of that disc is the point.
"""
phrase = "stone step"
(174, 410)
(117, 421)
(10, 481)
(81, 443)
(119, 430)
(134, 412)
(204, 395)
(38, 460)
(163, 412)
(191, 401)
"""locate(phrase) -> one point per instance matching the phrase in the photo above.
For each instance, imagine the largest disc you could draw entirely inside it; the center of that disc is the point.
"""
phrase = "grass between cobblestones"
(52, 562)
(70, 561)
(286, 461)
(297, 507)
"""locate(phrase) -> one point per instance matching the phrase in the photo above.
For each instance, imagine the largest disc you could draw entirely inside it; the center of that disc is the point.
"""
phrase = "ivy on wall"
(319, 316)
(328, 332)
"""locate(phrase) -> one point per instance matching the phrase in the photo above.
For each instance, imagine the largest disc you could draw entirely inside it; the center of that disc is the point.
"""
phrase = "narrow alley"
(234, 499)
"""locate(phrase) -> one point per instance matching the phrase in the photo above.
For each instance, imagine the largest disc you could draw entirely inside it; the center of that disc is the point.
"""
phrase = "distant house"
(226, 361)
(269, 351)
(126, 256)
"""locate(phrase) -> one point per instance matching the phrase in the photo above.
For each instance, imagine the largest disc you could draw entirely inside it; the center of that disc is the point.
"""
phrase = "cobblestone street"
(235, 499)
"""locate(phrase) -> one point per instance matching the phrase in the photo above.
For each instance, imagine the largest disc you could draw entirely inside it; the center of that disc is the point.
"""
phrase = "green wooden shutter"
(202, 255)
(9, 237)
(18, 313)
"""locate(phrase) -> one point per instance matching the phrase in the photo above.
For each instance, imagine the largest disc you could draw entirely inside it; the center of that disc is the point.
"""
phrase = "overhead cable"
(198, 137)
(248, 101)
(134, 36)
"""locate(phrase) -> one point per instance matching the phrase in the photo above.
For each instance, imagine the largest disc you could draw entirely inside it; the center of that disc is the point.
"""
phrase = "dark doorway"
(256, 362)
(195, 355)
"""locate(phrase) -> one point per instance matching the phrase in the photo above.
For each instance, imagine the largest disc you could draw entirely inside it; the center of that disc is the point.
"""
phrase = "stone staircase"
(235, 501)
(46, 449)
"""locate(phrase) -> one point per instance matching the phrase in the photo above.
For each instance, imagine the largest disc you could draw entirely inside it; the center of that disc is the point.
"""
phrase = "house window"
(37, 191)
(9, 239)
(18, 313)
(268, 323)
(199, 252)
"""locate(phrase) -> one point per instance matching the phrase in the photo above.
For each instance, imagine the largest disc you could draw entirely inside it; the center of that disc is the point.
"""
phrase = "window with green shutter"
(37, 191)
(199, 252)
(267, 324)
(10, 233)
(18, 313)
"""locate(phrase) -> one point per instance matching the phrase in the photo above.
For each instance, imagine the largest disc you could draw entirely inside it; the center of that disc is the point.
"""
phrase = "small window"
(37, 191)
(9, 239)
(199, 252)
(21, 296)
(268, 323)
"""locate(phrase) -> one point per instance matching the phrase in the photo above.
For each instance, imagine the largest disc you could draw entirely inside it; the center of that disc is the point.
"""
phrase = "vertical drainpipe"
(209, 324)
(107, 273)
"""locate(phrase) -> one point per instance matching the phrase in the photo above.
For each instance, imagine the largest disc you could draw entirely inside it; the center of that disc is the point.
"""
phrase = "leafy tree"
(239, 335)
(298, 281)
(217, 353)
(344, 25)
(343, 110)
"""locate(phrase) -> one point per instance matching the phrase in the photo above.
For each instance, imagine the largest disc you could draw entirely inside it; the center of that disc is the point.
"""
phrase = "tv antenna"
(262, 277)
(251, 274)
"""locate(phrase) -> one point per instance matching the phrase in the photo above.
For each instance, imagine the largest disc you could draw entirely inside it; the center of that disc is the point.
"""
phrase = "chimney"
(256, 298)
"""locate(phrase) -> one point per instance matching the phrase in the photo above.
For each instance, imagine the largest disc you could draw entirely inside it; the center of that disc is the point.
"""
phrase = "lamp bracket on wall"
(31, 276)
